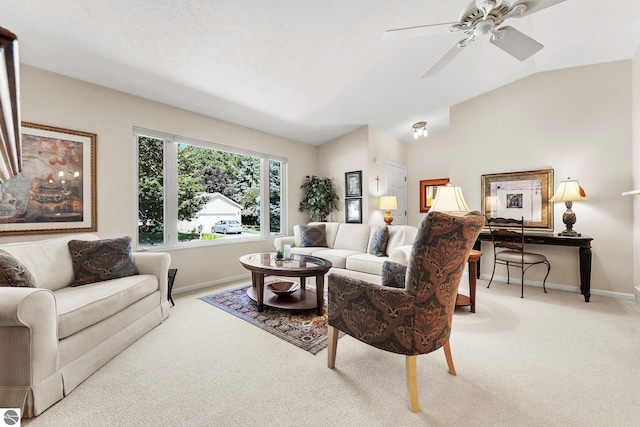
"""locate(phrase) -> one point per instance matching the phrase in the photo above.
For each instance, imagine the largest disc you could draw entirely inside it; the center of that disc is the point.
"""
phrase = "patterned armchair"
(411, 312)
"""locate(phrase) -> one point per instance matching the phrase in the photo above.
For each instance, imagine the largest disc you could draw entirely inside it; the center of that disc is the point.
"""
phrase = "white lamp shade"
(388, 202)
(449, 199)
(569, 191)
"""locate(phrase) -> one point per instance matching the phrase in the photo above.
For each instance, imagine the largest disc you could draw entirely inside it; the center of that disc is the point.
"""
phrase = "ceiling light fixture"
(420, 129)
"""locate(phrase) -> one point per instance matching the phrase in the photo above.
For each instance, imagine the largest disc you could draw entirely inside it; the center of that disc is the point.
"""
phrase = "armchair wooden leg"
(332, 346)
(412, 383)
(447, 354)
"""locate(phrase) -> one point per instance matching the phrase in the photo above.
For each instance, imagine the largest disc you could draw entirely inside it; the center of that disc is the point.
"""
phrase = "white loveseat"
(54, 336)
(348, 248)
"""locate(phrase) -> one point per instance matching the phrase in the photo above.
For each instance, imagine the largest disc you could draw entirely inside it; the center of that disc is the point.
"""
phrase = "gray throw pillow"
(100, 260)
(313, 235)
(14, 273)
(379, 241)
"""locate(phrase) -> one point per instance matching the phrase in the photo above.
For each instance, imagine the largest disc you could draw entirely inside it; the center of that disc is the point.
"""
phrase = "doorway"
(397, 186)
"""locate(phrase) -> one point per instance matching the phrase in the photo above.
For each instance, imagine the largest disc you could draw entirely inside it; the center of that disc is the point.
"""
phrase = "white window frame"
(170, 167)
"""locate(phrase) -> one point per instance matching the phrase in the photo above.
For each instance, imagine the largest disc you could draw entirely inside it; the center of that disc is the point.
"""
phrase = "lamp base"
(570, 233)
(569, 218)
(388, 219)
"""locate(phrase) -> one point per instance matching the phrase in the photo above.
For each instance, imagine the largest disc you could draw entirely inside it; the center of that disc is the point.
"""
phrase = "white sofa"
(54, 336)
(348, 248)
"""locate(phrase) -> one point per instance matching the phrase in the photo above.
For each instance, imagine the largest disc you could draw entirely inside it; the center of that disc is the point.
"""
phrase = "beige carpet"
(545, 360)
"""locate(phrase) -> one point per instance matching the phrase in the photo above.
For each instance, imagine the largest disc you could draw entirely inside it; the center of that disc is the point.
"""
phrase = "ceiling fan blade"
(420, 30)
(446, 58)
(515, 43)
(534, 6)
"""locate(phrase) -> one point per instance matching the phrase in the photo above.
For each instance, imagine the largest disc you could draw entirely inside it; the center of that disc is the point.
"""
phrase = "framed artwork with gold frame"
(520, 195)
(56, 190)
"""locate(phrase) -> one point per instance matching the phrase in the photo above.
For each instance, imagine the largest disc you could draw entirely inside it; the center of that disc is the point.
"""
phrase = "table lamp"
(388, 203)
(449, 199)
(568, 192)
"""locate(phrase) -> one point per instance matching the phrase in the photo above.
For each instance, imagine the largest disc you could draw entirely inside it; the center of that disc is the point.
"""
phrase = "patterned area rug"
(304, 329)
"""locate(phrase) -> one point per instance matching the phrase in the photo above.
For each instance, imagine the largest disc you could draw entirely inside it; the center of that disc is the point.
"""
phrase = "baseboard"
(610, 294)
(576, 289)
(183, 289)
(567, 288)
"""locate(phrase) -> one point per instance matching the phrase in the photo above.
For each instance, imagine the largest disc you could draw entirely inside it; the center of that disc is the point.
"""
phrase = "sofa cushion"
(313, 235)
(366, 263)
(14, 273)
(379, 240)
(100, 260)
(306, 251)
(354, 237)
(83, 306)
(338, 257)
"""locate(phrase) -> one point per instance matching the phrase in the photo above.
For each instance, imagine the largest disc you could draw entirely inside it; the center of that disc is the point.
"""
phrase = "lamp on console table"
(388, 203)
(449, 199)
(568, 192)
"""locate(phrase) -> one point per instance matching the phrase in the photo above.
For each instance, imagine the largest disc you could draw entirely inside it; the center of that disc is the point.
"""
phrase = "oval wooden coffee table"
(302, 266)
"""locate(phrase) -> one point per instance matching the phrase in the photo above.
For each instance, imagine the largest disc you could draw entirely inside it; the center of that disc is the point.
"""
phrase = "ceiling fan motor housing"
(474, 14)
(488, 5)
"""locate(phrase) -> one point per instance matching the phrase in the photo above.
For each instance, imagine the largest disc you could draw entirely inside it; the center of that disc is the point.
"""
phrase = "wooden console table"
(583, 243)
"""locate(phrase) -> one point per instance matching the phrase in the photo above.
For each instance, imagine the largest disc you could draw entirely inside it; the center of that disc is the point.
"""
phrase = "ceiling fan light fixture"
(484, 27)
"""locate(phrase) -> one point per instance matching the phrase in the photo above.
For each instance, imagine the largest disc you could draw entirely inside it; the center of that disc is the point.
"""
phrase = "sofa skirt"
(78, 370)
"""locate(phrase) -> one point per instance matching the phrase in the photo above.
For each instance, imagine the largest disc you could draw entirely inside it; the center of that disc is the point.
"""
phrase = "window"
(194, 191)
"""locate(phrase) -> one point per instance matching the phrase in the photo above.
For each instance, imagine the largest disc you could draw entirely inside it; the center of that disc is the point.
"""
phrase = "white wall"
(367, 149)
(426, 159)
(382, 149)
(345, 154)
(636, 174)
(576, 121)
(55, 100)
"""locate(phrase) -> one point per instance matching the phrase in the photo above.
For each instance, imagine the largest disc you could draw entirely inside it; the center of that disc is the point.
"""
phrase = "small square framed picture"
(353, 209)
(353, 184)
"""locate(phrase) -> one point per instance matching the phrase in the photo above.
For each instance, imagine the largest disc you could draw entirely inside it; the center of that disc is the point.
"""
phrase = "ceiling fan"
(482, 17)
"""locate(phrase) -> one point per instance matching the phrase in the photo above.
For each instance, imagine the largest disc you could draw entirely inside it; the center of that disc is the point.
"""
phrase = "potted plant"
(320, 197)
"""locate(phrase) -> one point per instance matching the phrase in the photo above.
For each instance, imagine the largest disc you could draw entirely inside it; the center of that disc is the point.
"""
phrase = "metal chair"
(507, 235)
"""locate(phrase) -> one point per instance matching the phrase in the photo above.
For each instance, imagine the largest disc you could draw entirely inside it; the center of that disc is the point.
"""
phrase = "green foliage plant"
(320, 197)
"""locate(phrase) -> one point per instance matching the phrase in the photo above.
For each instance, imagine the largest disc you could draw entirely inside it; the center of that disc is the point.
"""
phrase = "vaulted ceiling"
(307, 70)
